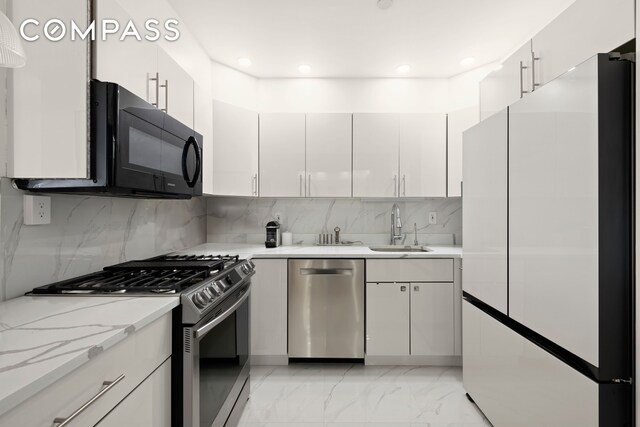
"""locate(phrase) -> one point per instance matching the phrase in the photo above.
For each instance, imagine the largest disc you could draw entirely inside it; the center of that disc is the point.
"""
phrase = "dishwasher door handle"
(326, 271)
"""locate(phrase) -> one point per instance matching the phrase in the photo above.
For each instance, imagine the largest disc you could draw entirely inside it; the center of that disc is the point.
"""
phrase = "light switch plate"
(37, 210)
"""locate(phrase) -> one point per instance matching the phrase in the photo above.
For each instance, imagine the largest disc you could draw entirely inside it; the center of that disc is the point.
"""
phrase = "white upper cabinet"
(328, 154)
(47, 99)
(423, 155)
(203, 124)
(282, 155)
(143, 68)
(176, 89)
(484, 218)
(375, 155)
(458, 122)
(129, 63)
(585, 28)
(505, 86)
(234, 157)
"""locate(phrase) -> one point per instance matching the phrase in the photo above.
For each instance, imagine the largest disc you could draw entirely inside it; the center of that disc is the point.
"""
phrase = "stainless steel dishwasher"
(326, 308)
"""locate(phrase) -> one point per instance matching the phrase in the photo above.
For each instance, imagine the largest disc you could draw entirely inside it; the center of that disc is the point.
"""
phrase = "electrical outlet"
(37, 210)
(433, 218)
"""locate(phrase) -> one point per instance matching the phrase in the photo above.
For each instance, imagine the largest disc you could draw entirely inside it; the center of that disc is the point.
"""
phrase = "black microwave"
(136, 150)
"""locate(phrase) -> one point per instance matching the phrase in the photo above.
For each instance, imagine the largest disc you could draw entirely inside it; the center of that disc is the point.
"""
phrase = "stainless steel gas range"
(210, 360)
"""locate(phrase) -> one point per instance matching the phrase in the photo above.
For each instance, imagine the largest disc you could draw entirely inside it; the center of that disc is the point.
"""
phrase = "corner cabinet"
(47, 99)
(234, 156)
(399, 155)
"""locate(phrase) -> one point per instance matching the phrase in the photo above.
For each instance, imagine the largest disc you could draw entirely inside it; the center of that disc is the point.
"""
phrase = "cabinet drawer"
(135, 357)
(410, 270)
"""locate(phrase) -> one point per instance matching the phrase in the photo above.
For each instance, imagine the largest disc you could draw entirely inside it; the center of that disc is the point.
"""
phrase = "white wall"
(234, 87)
(464, 88)
(353, 95)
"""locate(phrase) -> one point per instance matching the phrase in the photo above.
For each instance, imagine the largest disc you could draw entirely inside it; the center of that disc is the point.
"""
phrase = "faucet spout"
(396, 224)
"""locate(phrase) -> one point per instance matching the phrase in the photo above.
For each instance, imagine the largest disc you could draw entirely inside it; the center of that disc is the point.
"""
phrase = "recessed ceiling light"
(498, 67)
(244, 62)
(304, 68)
(385, 4)
(467, 61)
(403, 69)
(571, 69)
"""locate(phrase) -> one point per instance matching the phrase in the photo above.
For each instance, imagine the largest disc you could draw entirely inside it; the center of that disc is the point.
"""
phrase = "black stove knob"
(221, 285)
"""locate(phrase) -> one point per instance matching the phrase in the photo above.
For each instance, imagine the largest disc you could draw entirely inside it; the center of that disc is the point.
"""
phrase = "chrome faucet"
(396, 224)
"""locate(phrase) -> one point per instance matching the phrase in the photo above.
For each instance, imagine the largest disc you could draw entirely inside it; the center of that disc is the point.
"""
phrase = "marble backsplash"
(242, 220)
(88, 233)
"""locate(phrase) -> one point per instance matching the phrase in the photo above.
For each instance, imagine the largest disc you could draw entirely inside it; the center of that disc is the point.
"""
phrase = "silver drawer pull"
(108, 385)
(326, 271)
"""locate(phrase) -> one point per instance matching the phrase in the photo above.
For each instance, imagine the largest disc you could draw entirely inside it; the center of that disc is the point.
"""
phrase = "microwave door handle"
(191, 182)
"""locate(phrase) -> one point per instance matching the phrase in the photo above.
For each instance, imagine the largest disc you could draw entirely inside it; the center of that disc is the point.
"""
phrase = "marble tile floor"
(354, 395)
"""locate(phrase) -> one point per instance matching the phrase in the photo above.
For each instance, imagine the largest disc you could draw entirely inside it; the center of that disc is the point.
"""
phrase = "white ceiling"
(354, 38)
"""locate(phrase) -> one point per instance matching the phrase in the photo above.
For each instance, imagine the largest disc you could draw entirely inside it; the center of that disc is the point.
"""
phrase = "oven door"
(216, 364)
(154, 159)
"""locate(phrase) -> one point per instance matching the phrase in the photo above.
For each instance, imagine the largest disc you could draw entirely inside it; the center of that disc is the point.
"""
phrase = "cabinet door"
(235, 151)
(375, 155)
(505, 86)
(282, 155)
(176, 89)
(149, 405)
(269, 308)
(328, 155)
(484, 213)
(458, 122)
(387, 321)
(423, 155)
(129, 63)
(203, 124)
(432, 319)
(47, 102)
(585, 28)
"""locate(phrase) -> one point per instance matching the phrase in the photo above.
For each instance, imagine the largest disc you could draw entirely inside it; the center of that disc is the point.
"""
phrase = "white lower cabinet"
(387, 319)
(149, 405)
(411, 307)
(432, 319)
(269, 312)
(516, 383)
(130, 362)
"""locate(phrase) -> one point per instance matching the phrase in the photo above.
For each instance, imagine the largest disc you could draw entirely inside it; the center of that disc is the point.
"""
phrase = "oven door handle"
(201, 331)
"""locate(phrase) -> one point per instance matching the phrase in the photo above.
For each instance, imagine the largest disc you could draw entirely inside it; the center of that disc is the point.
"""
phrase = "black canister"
(274, 238)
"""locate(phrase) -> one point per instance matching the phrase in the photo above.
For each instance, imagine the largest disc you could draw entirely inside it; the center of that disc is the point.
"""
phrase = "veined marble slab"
(259, 251)
(43, 338)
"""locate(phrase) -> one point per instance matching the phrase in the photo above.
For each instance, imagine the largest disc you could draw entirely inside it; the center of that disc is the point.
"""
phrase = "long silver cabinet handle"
(301, 188)
(404, 185)
(108, 385)
(215, 322)
(309, 193)
(326, 271)
(254, 185)
(165, 86)
(522, 68)
(157, 80)
(534, 85)
(395, 185)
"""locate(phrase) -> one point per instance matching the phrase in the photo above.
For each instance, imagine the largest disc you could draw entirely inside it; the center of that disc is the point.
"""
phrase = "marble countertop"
(259, 251)
(44, 338)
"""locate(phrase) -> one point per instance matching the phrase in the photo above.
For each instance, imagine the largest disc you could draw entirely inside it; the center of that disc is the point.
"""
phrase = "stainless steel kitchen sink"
(398, 248)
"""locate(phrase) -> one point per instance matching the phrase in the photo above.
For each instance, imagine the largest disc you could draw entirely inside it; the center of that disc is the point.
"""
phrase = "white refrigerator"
(548, 253)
